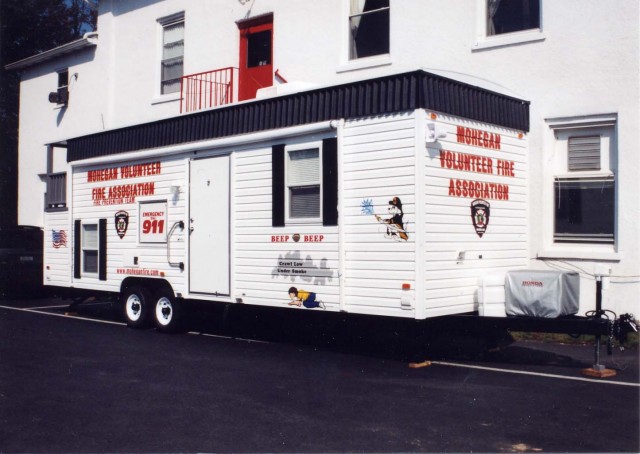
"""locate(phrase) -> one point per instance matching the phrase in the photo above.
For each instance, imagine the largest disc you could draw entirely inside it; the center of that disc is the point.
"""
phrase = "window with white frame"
(368, 28)
(304, 183)
(508, 16)
(584, 187)
(172, 62)
(90, 248)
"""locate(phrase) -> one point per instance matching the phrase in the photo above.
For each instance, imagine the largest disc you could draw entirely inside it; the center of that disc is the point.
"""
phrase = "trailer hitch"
(622, 326)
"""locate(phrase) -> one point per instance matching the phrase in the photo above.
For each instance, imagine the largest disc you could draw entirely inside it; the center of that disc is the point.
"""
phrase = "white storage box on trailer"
(547, 294)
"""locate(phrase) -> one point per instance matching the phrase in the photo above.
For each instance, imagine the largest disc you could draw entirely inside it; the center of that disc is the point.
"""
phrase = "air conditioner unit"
(59, 97)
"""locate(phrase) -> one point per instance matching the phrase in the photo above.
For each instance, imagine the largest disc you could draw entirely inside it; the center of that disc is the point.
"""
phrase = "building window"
(172, 64)
(304, 182)
(507, 16)
(63, 79)
(90, 248)
(259, 49)
(584, 180)
(584, 210)
(369, 28)
(56, 195)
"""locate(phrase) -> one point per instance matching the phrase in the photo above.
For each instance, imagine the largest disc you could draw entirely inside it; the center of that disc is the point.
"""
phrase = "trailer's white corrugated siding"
(264, 269)
(57, 254)
(378, 164)
(152, 257)
(455, 255)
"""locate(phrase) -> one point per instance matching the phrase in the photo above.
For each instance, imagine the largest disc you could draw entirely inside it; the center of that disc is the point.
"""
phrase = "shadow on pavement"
(390, 338)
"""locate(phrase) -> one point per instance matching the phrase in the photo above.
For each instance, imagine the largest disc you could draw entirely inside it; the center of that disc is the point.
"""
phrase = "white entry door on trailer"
(209, 226)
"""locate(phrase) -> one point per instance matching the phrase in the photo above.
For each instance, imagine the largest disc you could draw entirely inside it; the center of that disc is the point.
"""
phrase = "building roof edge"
(88, 40)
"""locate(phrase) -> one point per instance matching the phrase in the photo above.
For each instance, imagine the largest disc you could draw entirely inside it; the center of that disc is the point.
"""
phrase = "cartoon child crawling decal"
(304, 298)
(395, 225)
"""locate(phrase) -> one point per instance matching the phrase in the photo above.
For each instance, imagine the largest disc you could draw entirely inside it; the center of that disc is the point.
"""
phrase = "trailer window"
(304, 183)
(90, 248)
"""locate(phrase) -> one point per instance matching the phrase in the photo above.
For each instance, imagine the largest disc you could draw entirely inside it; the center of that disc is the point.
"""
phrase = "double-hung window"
(89, 248)
(507, 22)
(304, 183)
(172, 62)
(507, 16)
(368, 28)
(584, 186)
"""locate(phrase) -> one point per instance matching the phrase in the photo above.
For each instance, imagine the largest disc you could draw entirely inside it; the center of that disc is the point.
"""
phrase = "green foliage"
(28, 27)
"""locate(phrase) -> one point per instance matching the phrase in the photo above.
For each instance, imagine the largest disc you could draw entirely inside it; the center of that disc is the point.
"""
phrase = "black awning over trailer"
(379, 96)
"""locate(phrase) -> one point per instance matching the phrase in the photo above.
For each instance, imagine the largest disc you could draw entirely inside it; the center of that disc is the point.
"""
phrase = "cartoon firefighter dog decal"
(395, 224)
(304, 298)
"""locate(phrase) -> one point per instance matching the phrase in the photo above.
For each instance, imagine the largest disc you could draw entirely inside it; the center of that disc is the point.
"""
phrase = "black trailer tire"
(168, 313)
(137, 307)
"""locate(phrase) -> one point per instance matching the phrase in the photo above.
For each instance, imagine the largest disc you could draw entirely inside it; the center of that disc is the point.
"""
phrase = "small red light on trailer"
(433, 116)
(406, 286)
(520, 135)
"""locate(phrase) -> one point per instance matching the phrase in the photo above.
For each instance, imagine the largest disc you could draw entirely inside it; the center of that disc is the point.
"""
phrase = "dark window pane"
(370, 31)
(259, 49)
(304, 202)
(90, 261)
(63, 79)
(512, 16)
(584, 211)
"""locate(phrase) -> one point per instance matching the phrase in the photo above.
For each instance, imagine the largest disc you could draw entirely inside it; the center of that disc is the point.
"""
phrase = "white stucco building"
(577, 63)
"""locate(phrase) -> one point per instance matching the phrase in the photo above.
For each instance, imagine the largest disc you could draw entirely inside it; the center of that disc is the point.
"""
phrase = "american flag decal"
(59, 238)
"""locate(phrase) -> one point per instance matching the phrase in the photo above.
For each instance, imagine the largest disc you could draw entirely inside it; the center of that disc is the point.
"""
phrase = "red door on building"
(256, 56)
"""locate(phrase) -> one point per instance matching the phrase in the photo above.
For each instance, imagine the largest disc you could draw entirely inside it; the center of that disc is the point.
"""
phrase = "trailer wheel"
(167, 313)
(137, 307)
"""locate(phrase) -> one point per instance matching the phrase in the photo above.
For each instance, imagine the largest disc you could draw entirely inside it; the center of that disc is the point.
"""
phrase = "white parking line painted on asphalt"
(75, 317)
(536, 374)
(48, 307)
(195, 333)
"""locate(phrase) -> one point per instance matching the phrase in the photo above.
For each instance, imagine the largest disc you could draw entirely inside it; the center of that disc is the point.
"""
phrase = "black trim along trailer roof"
(378, 96)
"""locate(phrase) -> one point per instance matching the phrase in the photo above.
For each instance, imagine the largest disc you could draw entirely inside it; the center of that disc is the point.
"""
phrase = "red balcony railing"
(207, 89)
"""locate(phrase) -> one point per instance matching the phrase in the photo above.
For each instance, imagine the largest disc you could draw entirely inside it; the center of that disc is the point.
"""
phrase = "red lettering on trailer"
(478, 189)
(478, 138)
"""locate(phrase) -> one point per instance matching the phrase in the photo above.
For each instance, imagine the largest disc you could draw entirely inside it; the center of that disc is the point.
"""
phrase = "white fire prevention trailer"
(401, 196)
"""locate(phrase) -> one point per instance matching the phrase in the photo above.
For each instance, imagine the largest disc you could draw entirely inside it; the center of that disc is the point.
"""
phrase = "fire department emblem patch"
(122, 222)
(480, 216)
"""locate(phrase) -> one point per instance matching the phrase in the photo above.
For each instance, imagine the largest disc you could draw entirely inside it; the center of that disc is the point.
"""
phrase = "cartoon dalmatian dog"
(394, 223)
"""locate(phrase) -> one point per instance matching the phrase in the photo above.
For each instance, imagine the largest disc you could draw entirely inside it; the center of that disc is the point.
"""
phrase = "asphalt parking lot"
(251, 380)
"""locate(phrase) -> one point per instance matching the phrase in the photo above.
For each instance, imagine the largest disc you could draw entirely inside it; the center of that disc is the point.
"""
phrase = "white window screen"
(172, 56)
(584, 153)
(303, 181)
(90, 248)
